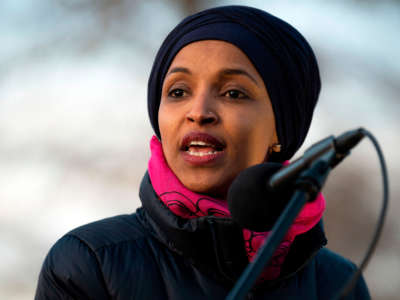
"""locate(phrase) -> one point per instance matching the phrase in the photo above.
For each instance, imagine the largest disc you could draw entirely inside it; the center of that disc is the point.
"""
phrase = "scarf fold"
(188, 204)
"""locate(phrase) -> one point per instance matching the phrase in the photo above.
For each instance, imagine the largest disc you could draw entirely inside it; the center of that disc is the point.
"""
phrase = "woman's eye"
(235, 94)
(176, 93)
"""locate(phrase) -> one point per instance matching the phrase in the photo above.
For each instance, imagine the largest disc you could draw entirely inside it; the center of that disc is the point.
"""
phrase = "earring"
(275, 148)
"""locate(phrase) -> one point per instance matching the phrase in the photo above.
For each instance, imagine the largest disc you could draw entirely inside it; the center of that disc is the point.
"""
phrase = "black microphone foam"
(252, 203)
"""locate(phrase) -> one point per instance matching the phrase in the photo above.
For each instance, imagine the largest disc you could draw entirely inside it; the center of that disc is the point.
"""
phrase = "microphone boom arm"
(307, 187)
(341, 146)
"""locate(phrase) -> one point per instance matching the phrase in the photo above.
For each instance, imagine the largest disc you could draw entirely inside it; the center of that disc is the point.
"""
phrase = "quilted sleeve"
(333, 273)
(71, 271)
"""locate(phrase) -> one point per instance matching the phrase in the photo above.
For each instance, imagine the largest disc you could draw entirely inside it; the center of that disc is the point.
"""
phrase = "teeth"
(199, 143)
(201, 153)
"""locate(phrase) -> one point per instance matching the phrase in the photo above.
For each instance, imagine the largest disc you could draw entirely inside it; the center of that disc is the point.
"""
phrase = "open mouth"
(201, 144)
(200, 148)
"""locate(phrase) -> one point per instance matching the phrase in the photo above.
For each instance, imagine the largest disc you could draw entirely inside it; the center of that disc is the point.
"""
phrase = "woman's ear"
(275, 146)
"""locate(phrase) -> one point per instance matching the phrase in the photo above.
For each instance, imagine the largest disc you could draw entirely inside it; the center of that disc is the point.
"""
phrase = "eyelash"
(240, 94)
(172, 95)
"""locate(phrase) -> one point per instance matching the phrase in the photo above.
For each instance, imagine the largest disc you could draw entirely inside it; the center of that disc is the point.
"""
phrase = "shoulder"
(82, 262)
(333, 272)
(329, 261)
(115, 236)
(110, 232)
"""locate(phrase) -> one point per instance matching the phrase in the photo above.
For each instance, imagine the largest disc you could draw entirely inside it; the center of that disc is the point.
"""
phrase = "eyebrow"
(224, 72)
(179, 69)
(228, 72)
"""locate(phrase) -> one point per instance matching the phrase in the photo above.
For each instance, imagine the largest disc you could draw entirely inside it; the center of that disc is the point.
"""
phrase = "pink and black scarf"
(187, 204)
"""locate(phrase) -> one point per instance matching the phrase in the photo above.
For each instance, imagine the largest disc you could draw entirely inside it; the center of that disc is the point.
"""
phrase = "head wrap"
(278, 51)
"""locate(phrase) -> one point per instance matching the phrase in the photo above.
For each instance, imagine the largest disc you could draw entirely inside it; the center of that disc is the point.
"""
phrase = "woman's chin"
(208, 187)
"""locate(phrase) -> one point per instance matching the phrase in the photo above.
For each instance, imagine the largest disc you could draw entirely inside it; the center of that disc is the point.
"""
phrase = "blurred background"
(74, 130)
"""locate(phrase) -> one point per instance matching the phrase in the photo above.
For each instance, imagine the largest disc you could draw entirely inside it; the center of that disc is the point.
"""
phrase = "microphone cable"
(381, 220)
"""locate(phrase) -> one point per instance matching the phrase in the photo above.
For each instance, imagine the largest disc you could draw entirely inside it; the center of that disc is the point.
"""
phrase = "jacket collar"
(215, 245)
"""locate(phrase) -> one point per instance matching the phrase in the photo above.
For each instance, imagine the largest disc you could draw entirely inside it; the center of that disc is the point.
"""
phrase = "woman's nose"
(202, 111)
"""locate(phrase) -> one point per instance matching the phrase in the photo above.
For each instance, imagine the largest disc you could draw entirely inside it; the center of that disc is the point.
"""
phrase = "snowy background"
(74, 131)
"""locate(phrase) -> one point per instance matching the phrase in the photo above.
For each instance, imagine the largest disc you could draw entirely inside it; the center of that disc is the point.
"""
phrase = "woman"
(231, 87)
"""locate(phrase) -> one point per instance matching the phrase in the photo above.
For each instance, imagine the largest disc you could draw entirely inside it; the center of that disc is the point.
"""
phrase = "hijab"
(278, 51)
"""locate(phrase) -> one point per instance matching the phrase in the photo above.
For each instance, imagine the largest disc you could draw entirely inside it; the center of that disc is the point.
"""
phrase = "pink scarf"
(187, 204)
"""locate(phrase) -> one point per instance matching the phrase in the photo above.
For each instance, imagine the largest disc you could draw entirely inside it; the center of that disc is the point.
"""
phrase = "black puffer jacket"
(154, 254)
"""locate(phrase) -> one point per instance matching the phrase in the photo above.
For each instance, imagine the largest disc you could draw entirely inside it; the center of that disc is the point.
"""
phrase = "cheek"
(161, 121)
(169, 122)
(165, 121)
(253, 138)
(165, 124)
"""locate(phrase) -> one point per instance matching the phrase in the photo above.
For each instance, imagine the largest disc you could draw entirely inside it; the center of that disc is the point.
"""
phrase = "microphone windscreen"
(252, 204)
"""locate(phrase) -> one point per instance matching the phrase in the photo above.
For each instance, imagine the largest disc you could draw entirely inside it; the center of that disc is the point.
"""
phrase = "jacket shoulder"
(70, 271)
(78, 266)
(333, 262)
(334, 272)
(110, 231)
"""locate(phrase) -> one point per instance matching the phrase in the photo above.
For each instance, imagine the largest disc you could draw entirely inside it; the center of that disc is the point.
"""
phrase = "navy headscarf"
(278, 51)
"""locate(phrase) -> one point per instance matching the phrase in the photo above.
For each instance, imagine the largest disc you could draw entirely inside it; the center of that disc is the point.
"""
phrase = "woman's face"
(215, 116)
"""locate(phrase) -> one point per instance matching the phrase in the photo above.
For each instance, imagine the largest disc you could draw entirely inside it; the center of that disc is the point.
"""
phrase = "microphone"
(259, 194)
(341, 146)
(252, 203)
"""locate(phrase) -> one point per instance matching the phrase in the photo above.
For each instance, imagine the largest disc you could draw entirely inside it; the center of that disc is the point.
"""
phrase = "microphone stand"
(307, 187)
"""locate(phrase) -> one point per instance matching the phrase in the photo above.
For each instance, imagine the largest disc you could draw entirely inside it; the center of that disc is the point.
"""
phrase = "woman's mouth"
(201, 148)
